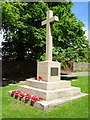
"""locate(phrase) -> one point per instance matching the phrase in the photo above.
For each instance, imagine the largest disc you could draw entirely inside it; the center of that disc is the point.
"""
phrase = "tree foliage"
(25, 37)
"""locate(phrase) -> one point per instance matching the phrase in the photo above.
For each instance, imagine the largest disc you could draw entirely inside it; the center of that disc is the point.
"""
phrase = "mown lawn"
(12, 108)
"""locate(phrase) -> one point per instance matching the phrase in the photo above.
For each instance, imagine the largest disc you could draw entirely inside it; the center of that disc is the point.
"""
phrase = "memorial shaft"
(48, 23)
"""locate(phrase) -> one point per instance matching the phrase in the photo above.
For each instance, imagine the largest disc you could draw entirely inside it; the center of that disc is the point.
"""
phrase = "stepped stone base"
(53, 93)
(48, 85)
(43, 105)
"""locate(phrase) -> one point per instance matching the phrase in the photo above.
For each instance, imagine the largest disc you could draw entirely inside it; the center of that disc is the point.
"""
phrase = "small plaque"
(54, 71)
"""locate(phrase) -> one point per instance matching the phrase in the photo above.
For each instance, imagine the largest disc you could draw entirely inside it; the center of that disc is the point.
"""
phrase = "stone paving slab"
(70, 75)
(83, 73)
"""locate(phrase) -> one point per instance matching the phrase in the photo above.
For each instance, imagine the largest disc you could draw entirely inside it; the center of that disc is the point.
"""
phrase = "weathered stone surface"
(69, 92)
(51, 94)
(44, 70)
(43, 105)
(50, 18)
(48, 85)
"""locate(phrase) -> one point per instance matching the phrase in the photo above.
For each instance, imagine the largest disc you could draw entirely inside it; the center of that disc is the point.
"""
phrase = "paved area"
(83, 73)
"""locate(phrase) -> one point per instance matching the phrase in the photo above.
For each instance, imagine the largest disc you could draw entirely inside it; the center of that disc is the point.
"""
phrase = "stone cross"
(47, 22)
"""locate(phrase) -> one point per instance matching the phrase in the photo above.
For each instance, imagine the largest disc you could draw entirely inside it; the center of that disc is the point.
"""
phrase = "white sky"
(1, 39)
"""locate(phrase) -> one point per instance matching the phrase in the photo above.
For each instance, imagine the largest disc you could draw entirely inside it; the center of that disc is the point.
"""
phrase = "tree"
(25, 37)
(23, 32)
(70, 42)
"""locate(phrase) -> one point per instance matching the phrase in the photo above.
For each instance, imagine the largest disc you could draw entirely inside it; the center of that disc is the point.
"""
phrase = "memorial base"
(43, 105)
(48, 70)
(53, 93)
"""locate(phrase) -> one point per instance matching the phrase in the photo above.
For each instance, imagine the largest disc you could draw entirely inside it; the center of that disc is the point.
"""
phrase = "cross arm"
(55, 18)
(44, 22)
(52, 19)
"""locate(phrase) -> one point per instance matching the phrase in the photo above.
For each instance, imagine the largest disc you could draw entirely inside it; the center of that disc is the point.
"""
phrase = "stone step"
(50, 94)
(43, 105)
(48, 85)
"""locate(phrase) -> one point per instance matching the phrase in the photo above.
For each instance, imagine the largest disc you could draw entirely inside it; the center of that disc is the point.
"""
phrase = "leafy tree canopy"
(25, 37)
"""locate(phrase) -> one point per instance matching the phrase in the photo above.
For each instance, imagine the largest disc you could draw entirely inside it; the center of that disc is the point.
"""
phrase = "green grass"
(0, 102)
(78, 108)
(81, 82)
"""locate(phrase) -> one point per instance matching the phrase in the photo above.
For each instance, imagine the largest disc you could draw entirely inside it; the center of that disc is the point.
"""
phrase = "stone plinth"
(43, 105)
(49, 70)
(51, 94)
(48, 85)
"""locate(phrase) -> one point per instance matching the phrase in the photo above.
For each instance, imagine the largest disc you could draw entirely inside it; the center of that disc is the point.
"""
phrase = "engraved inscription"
(54, 71)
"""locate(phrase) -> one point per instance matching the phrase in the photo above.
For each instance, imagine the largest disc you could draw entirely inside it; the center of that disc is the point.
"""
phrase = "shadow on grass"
(15, 71)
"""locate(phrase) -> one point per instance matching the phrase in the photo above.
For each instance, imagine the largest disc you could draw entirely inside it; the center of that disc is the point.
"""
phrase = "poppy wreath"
(21, 95)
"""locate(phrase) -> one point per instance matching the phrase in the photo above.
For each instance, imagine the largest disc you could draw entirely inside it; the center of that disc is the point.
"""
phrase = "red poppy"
(21, 94)
(13, 92)
(39, 77)
(40, 98)
(26, 96)
(33, 98)
(16, 93)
